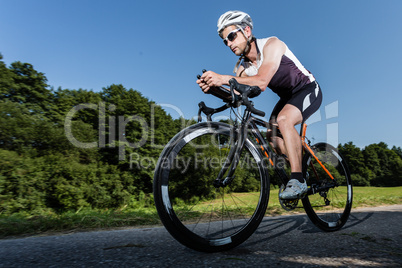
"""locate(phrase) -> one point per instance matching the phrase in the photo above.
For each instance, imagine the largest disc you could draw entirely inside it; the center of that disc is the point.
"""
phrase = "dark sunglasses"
(231, 36)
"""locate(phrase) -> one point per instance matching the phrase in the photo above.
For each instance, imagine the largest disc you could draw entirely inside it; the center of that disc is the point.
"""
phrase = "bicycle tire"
(329, 208)
(196, 222)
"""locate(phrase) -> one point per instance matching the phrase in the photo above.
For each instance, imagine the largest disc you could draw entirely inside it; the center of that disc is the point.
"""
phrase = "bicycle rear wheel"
(193, 210)
(329, 201)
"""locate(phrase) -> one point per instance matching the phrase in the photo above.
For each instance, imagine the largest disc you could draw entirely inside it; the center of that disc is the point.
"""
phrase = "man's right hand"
(203, 85)
(211, 79)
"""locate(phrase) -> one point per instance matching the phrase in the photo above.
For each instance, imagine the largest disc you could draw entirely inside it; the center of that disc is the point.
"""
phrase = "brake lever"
(232, 93)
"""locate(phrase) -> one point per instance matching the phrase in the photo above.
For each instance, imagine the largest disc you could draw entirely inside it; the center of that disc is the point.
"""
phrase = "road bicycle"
(212, 180)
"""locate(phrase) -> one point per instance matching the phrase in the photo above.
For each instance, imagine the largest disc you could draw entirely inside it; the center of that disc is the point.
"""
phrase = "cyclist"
(269, 63)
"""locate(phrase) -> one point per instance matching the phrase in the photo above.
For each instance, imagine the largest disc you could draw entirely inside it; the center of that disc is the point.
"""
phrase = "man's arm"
(274, 49)
(240, 72)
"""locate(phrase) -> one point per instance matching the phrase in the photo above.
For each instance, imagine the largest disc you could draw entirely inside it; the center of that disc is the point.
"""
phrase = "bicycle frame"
(247, 154)
(247, 123)
(307, 147)
(251, 123)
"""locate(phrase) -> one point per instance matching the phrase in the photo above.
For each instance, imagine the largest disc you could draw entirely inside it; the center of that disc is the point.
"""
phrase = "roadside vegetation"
(22, 224)
(74, 159)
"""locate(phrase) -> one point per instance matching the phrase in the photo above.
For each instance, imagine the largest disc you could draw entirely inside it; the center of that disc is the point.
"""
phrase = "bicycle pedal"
(289, 205)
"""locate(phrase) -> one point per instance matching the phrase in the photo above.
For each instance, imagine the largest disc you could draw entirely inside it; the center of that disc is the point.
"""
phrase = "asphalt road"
(371, 238)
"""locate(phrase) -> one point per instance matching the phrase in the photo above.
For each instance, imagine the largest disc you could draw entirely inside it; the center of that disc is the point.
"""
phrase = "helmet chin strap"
(246, 49)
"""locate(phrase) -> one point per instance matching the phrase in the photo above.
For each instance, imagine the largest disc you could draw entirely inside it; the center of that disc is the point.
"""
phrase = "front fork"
(233, 158)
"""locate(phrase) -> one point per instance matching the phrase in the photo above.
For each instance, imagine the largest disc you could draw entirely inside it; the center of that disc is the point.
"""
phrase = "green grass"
(46, 223)
(376, 196)
(18, 224)
(362, 197)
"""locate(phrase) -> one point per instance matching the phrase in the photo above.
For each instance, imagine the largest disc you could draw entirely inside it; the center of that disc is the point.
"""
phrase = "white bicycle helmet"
(234, 17)
(241, 20)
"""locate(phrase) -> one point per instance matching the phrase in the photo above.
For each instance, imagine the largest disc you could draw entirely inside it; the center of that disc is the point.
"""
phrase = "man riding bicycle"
(269, 63)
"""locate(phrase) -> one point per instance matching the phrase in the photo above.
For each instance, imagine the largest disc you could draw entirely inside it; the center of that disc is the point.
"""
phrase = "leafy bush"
(42, 170)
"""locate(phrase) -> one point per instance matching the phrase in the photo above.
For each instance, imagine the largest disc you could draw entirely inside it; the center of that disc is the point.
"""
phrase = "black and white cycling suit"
(293, 83)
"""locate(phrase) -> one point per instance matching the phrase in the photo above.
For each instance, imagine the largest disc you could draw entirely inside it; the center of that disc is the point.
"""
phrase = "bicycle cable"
(235, 113)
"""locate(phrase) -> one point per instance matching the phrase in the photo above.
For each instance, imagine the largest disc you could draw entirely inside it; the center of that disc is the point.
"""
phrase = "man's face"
(239, 43)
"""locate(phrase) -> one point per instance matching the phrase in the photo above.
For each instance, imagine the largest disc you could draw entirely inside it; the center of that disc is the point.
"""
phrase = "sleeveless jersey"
(291, 75)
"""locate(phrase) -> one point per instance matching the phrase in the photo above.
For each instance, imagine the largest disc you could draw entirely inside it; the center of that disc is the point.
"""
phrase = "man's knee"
(289, 117)
(272, 131)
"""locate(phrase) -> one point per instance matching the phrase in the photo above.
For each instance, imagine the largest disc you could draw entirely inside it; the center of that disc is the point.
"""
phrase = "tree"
(361, 175)
(41, 169)
(5, 79)
(397, 150)
(384, 163)
(27, 86)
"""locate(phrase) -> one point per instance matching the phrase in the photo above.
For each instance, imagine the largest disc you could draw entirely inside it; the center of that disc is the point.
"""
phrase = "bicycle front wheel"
(330, 193)
(194, 211)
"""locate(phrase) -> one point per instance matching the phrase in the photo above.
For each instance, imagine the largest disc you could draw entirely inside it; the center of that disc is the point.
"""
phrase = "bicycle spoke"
(330, 207)
(197, 210)
(237, 206)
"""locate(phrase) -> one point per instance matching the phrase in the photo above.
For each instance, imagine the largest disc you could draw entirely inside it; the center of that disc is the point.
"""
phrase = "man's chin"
(237, 52)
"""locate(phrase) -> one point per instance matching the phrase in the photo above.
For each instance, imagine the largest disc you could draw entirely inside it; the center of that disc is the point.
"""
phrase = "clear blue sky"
(158, 47)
